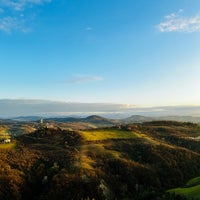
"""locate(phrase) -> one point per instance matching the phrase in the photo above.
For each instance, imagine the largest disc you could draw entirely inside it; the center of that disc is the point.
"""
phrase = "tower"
(41, 120)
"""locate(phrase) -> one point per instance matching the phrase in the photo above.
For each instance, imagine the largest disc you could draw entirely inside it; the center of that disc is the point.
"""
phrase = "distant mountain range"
(98, 120)
(140, 119)
(43, 108)
(35, 109)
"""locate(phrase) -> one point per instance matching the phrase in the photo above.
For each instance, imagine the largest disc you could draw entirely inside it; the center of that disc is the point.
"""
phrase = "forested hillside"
(137, 161)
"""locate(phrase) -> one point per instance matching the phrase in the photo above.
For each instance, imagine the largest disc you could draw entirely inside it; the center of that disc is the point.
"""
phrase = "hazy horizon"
(125, 104)
(10, 108)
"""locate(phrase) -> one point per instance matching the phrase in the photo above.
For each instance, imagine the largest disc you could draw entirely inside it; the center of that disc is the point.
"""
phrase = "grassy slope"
(191, 189)
(105, 134)
(8, 146)
(192, 182)
(85, 162)
(190, 192)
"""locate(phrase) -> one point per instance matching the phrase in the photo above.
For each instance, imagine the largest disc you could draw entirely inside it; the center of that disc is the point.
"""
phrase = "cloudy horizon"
(10, 108)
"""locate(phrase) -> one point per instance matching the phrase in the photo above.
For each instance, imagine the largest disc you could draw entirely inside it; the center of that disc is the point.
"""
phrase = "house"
(5, 141)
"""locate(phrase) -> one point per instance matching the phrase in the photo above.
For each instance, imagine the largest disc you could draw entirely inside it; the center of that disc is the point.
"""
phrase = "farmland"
(105, 134)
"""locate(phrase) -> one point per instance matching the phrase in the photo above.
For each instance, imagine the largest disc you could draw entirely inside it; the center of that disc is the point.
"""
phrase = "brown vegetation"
(60, 164)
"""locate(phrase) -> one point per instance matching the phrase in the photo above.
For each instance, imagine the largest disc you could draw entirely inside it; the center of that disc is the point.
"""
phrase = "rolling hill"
(137, 161)
(98, 120)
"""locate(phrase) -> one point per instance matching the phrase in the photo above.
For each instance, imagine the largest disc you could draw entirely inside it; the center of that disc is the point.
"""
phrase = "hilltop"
(19, 125)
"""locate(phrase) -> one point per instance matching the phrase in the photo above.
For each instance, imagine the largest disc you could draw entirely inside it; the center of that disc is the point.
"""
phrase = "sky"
(136, 52)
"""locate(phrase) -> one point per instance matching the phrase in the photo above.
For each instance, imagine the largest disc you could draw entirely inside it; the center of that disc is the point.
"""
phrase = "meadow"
(191, 190)
(8, 146)
(106, 134)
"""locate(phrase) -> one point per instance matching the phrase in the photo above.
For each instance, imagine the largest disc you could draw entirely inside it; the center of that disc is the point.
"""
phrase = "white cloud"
(177, 23)
(8, 24)
(12, 14)
(85, 79)
(21, 4)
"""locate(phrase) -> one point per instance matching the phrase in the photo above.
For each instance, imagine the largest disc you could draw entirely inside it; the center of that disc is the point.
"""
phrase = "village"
(5, 136)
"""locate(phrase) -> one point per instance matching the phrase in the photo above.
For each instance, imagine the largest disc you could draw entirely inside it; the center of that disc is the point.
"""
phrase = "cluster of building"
(5, 141)
(43, 124)
(5, 138)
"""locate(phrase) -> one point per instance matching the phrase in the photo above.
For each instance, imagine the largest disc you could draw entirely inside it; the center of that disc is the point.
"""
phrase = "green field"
(190, 191)
(103, 134)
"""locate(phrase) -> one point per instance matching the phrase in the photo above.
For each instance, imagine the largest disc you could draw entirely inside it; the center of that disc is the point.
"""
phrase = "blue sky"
(115, 51)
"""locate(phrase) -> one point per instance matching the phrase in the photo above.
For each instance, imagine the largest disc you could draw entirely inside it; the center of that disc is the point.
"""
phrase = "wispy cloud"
(88, 28)
(175, 22)
(12, 14)
(8, 24)
(78, 79)
(21, 4)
